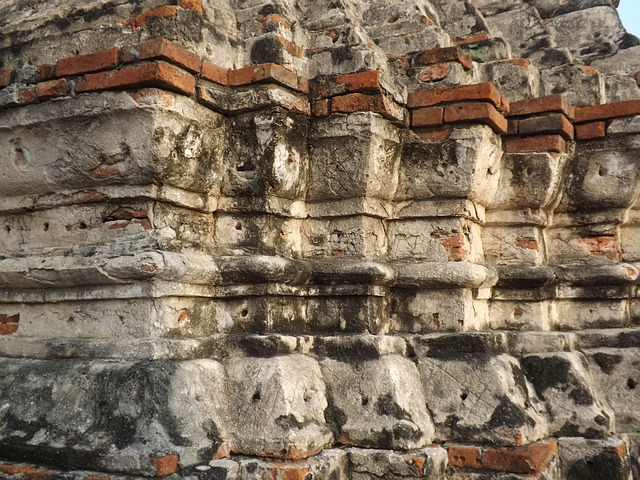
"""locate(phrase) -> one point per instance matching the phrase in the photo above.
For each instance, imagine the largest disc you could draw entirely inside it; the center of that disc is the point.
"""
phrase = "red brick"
(97, 478)
(549, 103)
(550, 123)
(155, 74)
(161, 49)
(476, 113)
(588, 70)
(195, 5)
(360, 102)
(435, 136)
(16, 469)
(92, 62)
(291, 48)
(620, 449)
(46, 72)
(223, 451)
(9, 318)
(588, 131)
(539, 143)
(600, 246)
(5, 77)
(164, 11)
(214, 73)
(531, 458)
(126, 213)
(8, 328)
(287, 471)
(608, 110)
(485, 92)
(265, 72)
(528, 244)
(166, 465)
(427, 117)
(478, 37)
(417, 462)
(463, 456)
(360, 82)
(434, 73)
(52, 88)
(518, 62)
(638, 78)
(444, 55)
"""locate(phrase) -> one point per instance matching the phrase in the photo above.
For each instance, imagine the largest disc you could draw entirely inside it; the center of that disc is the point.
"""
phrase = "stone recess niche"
(319, 240)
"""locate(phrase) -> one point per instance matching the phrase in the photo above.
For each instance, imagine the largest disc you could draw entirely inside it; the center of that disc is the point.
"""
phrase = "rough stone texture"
(296, 239)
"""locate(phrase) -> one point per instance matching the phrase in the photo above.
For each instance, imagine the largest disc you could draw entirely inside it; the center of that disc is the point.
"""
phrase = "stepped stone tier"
(319, 240)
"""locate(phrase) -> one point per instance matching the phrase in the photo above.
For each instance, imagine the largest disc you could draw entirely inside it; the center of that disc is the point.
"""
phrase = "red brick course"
(92, 62)
(531, 458)
(435, 136)
(463, 456)
(589, 131)
(161, 49)
(538, 143)
(9, 324)
(164, 11)
(5, 77)
(476, 112)
(427, 117)
(166, 465)
(550, 123)
(482, 92)
(444, 55)
(265, 72)
(51, 88)
(154, 74)
(434, 73)
(608, 110)
(360, 102)
(214, 73)
(549, 103)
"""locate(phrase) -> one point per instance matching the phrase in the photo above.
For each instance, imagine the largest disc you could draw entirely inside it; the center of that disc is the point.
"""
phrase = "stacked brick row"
(214, 270)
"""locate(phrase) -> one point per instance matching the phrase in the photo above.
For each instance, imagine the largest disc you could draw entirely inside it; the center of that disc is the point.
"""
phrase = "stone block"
(575, 405)
(523, 29)
(377, 403)
(616, 372)
(480, 398)
(580, 458)
(267, 155)
(513, 245)
(279, 406)
(428, 463)
(580, 86)
(116, 417)
(465, 166)
(353, 156)
(428, 310)
(356, 236)
(588, 33)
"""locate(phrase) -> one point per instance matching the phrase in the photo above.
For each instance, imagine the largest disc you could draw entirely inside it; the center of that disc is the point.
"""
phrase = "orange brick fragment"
(548, 103)
(538, 143)
(52, 88)
(9, 318)
(638, 78)
(550, 123)
(608, 110)
(16, 469)
(92, 62)
(261, 73)
(434, 73)
(476, 112)
(427, 117)
(164, 11)
(161, 49)
(5, 77)
(589, 131)
(600, 246)
(528, 244)
(8, 328)
(155, 74)
(287, 471)
(321, 108)
(214, 73)
(478, 37)
(483, 92)
(463, 456)
(360, 102)
(435, 136)
(166, 465)
(195, 5)
(531, 458)
(443, 55)
(359, 82)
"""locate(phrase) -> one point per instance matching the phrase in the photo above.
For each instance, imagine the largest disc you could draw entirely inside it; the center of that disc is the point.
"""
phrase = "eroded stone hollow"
(319, 240)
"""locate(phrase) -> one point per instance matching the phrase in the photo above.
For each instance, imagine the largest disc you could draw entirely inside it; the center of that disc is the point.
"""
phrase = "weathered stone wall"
(319, 240)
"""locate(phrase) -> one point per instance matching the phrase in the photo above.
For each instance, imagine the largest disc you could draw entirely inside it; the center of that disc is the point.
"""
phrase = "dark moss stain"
(581, 396)
(267, 50)
(546, 372)
(341, 54)
(607, 362)
(289, 422)
(508, 414)
(599, 467)
(335, 418)
(386, 405)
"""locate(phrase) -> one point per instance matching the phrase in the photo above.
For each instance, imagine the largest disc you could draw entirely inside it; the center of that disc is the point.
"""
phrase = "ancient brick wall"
(329, 240)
